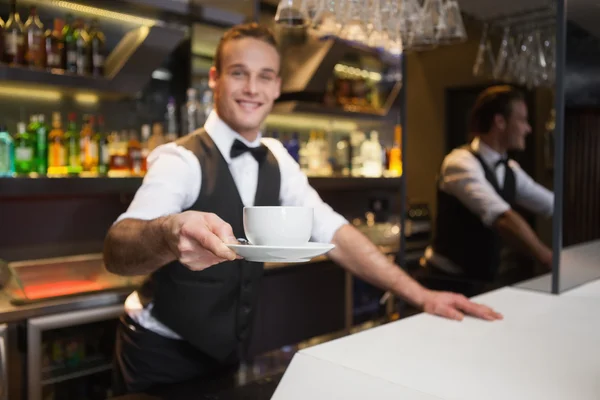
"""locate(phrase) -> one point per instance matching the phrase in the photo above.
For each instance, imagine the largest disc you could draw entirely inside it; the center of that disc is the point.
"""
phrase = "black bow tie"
(502, 161)
(238, 148)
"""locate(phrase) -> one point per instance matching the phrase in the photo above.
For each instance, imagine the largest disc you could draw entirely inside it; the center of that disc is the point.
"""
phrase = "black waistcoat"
(213, 309)
(462, 237)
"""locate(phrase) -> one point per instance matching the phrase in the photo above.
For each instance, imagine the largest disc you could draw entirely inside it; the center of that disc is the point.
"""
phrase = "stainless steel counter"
(12, 313)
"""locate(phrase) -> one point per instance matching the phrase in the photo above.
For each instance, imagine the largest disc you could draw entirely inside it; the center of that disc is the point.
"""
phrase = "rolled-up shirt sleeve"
(171, 185)
(463, 177)
(531, 195)
(296, 191)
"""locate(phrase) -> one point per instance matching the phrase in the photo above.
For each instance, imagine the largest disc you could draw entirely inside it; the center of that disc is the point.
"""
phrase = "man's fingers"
(220, 228)
(208, 241)
(451, 312)
(477, 310)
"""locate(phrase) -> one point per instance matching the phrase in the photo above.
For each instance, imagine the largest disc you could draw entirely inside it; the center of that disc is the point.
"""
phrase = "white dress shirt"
(463, 177)
(172, 184)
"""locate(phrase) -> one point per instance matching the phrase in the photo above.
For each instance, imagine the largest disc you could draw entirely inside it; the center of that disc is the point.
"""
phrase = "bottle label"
(11, 43)
(35, 41)
(71, 57)
(93, 151)
(24, 154)
(4, 158)
(53, 60)
(81, 64)
(104, 157)
(57, 155)
(98, 60)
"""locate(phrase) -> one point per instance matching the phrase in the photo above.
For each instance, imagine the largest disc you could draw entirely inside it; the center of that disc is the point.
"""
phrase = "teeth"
(248, 105)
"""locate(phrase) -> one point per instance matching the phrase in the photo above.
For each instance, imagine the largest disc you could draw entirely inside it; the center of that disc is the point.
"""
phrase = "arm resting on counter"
(513, 228)
(362, 258)
(137, 247)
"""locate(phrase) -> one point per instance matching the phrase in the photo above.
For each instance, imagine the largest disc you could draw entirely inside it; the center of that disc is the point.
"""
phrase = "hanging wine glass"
(327, 20)
(409, 12)
(424, 32)
(451, 29)
(354, 24)
(378, 36)
(291, 13)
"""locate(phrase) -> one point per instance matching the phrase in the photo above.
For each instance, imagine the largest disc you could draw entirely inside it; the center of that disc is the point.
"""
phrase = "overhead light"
(31, 93)
(86, 98)
(308, 122)
(99, 12)
(353, 72)
(161, 74)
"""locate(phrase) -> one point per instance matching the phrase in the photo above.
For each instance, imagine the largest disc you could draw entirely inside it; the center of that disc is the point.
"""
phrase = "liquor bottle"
(14, 38)
(395, 154)
(7, 153)
(56, 145)
(70, 46)
(370, 151)
(101, 140)
(24, 150)
(117, 148)
(32, 128)
(72, 146)
(293, 147)
(41, 139)
(1, 39)
(98, 48)
(157, 138)
(82, 45)
(87, 147)
(55, 45)
(36, 49)
(171, 120)
(134, 153)
(145, 146)
(191, 112)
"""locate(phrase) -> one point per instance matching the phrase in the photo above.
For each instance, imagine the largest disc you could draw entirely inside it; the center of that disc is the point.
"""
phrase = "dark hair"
(248, 30)
(491, 102)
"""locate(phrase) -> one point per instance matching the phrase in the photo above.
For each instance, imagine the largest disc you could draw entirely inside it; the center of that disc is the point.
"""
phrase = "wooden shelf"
(94, 186)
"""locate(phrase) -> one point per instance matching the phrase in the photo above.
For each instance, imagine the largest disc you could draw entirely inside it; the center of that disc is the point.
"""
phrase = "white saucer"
(281, 254)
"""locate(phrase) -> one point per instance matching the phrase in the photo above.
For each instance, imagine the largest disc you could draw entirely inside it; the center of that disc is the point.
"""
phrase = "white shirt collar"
(224, 136)
(489, 155)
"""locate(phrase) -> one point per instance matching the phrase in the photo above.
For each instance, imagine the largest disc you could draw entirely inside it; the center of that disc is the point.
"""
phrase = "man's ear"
(213, 75)
(500, 122)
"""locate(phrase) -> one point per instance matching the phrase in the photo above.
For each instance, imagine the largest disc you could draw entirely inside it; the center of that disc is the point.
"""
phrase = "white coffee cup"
(278, 226)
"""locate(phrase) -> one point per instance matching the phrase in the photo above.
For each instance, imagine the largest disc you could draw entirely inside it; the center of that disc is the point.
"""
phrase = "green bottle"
(70, 47)
(101, 139)
(72, 146)
(24, 150)
(7, 153)
(41, 137)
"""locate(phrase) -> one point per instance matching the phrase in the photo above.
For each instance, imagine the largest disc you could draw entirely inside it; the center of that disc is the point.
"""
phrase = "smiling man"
(478, 188)
(193, 315)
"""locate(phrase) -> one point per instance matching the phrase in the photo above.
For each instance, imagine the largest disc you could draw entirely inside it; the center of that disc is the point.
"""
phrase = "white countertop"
(546, 348)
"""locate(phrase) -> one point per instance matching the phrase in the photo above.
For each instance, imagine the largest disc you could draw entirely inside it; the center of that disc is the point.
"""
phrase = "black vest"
(462, 237)
(213, 309)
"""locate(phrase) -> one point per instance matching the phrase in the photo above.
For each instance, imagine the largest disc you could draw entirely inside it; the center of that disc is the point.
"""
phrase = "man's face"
(516, 127)
(247, 85)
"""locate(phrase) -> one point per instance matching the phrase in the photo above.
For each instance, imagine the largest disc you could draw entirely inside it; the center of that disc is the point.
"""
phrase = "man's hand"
(198, 239)
(455, 306)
